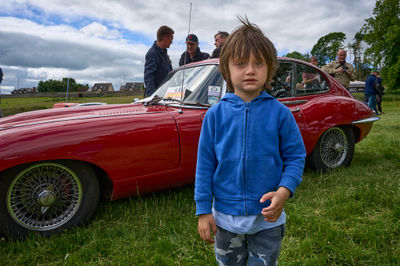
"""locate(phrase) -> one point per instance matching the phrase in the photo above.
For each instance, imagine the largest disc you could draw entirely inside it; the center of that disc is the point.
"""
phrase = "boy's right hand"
(206, 224)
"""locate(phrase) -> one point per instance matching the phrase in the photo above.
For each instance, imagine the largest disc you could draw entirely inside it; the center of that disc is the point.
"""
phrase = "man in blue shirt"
(158, 64)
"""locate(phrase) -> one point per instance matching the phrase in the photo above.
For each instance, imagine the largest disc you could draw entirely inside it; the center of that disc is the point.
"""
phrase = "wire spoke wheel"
(44, 196)
(334, 147)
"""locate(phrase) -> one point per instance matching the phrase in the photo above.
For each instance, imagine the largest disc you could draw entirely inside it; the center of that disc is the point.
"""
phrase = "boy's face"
(248, 78)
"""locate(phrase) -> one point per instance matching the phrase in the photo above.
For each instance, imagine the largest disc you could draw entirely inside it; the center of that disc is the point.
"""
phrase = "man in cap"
(341, 70)
(192, 53)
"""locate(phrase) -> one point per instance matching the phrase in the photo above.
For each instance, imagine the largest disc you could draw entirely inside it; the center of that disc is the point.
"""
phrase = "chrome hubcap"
(338, 147)
(46, 198)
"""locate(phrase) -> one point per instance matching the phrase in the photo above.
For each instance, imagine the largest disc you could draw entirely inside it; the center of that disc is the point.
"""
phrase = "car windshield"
(198, 85)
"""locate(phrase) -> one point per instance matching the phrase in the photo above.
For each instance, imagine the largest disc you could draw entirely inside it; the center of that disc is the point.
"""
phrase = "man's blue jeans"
(372, 103)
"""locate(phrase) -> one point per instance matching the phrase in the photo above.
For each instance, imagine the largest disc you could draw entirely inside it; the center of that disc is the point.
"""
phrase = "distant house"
(132, 86)
(83, 89)
(24, 90)
(102, 87)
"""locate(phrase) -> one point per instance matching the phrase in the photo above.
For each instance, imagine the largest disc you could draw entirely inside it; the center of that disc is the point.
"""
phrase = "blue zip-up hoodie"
(246, 150)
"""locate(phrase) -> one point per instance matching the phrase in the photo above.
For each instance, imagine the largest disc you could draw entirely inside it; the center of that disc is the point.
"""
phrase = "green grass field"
(350, 216)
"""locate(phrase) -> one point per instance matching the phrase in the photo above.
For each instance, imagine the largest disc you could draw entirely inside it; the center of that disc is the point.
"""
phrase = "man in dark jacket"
(220, 39)
(369, 90)
(158, 64)
(192, 53)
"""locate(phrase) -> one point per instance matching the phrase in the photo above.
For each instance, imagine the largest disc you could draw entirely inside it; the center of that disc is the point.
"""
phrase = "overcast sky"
(106, 40)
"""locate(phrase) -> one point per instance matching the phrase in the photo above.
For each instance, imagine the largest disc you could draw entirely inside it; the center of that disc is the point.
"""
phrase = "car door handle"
(295, 110)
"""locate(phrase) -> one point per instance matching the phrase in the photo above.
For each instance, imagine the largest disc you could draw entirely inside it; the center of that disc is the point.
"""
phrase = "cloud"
(106, 41)
(100, 31)
(90, 54)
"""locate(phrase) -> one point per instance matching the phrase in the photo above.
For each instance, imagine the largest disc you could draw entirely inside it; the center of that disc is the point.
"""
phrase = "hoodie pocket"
(262, 176)
(227, 181)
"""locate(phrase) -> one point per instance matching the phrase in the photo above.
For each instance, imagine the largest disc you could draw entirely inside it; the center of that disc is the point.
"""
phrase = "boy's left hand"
(278, 199)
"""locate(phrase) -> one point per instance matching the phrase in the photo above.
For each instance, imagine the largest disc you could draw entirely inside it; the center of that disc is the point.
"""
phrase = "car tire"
(47, 197)
(335, 148)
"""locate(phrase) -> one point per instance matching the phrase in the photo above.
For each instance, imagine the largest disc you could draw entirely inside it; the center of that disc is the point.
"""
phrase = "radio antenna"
(183, 74)
(190, 21)
(190, 16)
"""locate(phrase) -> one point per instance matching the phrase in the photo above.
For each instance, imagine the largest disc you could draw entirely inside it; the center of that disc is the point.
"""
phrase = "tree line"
(375, 45)
(61, 85)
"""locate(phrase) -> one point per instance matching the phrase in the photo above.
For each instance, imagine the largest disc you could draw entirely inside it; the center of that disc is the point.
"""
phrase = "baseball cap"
(375, 70)
(192, 38)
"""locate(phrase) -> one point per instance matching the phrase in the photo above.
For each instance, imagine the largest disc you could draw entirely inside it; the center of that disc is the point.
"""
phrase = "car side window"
(309, 81)
(282, 81)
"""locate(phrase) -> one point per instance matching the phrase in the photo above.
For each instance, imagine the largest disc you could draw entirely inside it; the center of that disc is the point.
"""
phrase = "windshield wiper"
(187, 103)
(155, 100)
(172, 100)
(198, 104)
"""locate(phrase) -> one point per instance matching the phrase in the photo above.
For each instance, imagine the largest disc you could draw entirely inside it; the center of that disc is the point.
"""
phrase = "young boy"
(250, 156)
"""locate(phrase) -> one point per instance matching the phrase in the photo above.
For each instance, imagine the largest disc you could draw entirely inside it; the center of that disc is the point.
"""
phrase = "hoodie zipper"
(246, 108)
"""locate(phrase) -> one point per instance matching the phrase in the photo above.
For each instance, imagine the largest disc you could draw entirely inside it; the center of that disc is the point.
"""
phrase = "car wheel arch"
(349, 134)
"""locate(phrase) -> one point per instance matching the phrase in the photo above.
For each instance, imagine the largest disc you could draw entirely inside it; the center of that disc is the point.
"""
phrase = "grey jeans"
(261, 248)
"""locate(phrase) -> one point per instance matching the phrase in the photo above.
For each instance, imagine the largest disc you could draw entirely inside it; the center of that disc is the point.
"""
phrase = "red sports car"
(55, 163)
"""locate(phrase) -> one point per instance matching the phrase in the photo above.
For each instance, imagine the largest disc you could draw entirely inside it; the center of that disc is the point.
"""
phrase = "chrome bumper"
(367, 120)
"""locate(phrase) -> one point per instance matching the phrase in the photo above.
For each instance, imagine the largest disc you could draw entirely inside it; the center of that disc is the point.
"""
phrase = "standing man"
(192, 53)
(341, 70)
(220, 39)
(158, 64)
(370, 92)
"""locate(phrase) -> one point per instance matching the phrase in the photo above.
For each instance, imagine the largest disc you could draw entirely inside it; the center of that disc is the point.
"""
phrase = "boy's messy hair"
(245, 40)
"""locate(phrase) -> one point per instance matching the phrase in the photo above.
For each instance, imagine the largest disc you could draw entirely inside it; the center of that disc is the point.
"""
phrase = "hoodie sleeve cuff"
(291, 184)
(203, 207)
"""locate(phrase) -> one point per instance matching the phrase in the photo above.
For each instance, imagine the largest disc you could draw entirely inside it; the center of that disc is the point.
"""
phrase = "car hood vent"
(125, 111)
